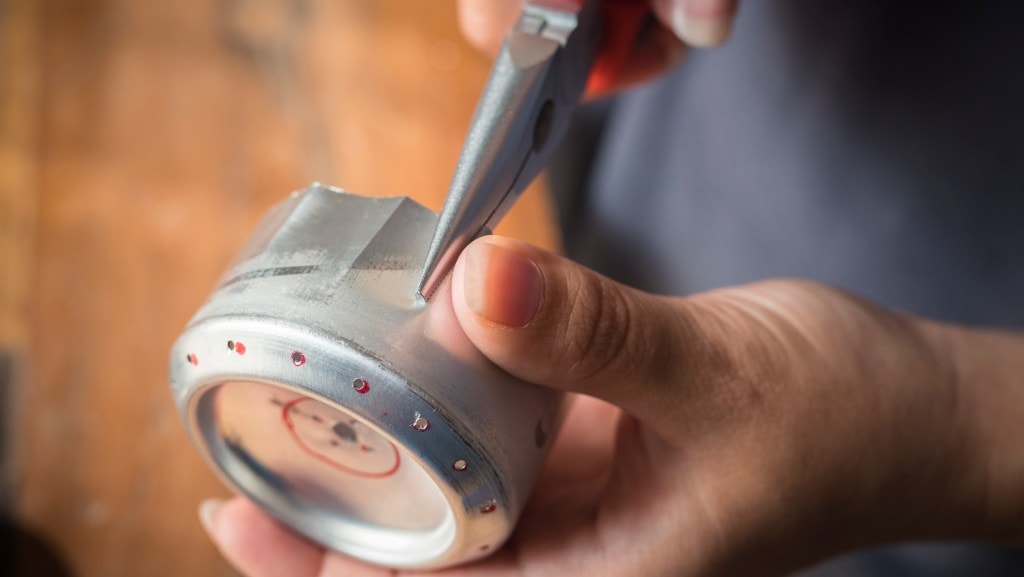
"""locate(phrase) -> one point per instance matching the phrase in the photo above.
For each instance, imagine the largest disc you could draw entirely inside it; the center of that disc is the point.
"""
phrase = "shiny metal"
(319, 384)
(523, 113)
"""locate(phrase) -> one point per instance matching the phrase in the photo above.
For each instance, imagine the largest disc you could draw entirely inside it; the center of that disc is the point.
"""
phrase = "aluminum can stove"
(319, 384)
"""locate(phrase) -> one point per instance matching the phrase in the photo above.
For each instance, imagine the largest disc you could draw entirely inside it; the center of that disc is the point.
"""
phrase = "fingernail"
(677, 19)
(700, 23)
(208, 511)
(703, 33)
(501, 285)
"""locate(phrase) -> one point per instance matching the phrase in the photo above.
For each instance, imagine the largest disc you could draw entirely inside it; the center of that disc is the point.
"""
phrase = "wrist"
(988, 372)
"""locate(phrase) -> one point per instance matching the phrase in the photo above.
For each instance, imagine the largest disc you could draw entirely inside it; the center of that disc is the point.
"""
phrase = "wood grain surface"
(141, 143)
(19, 83)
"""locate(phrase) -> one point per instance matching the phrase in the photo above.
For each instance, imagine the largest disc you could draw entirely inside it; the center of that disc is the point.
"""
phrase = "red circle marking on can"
(287, 418)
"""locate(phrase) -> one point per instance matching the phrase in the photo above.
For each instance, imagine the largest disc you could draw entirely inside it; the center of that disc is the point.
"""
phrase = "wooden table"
(139, 144)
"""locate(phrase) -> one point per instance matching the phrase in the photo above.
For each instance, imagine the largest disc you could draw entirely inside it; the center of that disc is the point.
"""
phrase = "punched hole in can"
(420, 423)
(298, 358)
(460, 465)
(361, 386)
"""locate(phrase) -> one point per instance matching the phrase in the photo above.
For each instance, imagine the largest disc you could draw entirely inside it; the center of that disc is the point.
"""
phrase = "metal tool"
(318, 383)
(536, 82)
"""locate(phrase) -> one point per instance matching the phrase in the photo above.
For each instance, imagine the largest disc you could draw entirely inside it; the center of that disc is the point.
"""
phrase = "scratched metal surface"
(141, 143)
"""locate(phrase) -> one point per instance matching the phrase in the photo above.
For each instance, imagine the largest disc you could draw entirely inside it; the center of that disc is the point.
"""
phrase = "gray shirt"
(874, 145)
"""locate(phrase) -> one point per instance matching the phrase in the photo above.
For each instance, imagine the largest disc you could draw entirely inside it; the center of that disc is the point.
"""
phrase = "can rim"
(473, 492)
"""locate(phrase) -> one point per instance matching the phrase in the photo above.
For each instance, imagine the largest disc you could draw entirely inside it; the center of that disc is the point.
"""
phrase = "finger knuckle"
(597, 329)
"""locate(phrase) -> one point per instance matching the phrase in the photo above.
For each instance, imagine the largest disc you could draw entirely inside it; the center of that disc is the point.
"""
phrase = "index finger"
(485, 22)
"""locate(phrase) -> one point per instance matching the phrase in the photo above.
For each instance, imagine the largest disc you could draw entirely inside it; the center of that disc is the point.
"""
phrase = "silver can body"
(319, 384)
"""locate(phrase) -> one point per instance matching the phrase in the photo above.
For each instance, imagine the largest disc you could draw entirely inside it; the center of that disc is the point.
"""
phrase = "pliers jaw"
(536, 82)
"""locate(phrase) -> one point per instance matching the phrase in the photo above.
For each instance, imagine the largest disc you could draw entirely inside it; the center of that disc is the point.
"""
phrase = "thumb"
(552, 322)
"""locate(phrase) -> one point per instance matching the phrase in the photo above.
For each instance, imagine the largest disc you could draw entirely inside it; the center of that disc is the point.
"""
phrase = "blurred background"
(140, 142)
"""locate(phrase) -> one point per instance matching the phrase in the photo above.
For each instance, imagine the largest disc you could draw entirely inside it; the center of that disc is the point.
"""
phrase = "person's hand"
(750, 430)
(658, 46)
